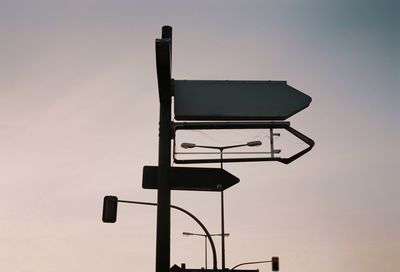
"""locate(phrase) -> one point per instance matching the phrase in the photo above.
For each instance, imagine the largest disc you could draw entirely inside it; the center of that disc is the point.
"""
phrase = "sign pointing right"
(208, 100)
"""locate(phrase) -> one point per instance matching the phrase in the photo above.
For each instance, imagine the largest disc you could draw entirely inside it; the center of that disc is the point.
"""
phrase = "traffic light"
(110, 205)
(275, 263)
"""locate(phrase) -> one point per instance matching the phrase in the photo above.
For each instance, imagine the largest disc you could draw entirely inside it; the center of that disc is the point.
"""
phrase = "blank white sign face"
(236, 100)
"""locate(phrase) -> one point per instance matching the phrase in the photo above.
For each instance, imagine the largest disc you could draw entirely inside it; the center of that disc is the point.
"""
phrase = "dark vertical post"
(205, 246)
(163, 59)
(271, 141)
(222, 219)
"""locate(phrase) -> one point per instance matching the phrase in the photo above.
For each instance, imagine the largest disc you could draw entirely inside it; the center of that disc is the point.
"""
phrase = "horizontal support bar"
(228, 125)
(194, 161)
(225, 153)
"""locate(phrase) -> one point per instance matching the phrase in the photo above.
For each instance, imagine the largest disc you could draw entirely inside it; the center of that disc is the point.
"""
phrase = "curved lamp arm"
(233, 268)
(215, 268)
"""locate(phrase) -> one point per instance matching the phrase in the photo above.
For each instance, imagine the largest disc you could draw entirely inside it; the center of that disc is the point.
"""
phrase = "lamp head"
(254, 143)
(188, 145)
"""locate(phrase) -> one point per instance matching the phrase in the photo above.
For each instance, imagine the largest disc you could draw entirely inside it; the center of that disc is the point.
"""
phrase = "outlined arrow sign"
(208, 100)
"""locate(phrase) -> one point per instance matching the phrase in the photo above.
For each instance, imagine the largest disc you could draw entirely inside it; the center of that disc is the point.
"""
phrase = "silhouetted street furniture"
(271, 125)
(176, 268)
(274, 261)
(205, 241)
(110, 207)
(221, 151)
(191, 178)
(208, 105)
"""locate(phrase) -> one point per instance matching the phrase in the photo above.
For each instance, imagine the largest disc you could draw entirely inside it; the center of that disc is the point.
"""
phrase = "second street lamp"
(221, 151)
(205, 241)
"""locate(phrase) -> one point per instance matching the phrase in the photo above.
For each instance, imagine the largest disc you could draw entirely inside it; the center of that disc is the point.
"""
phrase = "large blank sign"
(236, 100)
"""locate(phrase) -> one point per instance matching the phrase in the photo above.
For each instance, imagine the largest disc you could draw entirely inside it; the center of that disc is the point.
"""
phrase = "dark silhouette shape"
(191, 178)
(275, 263)
(205, 242)
(166, 89)
(111, 204)
(163, 62)
(176, 268)
(244, 125)
(233, 100)
(221, 151)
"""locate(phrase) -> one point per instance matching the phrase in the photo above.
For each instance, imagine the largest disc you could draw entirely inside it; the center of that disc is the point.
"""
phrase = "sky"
(79, 120)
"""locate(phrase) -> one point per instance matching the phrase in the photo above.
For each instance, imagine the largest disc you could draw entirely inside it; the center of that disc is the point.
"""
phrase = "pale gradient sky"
(79, 117)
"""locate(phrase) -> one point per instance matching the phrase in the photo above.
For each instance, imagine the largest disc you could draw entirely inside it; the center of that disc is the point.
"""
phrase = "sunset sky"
(79, 120)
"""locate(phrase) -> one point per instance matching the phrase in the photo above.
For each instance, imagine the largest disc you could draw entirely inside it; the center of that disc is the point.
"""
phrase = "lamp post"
(205, 241)
(221, 151)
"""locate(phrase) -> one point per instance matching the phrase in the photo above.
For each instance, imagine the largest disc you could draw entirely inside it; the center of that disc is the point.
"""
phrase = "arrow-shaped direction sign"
(236, 100)
(191, 178)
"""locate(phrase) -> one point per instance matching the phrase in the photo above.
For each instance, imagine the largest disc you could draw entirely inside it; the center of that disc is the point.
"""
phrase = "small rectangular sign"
(236, 100)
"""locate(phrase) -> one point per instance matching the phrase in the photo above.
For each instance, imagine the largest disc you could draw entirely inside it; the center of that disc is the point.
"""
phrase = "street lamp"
(205, 240)
(221, 150)
(274, 261)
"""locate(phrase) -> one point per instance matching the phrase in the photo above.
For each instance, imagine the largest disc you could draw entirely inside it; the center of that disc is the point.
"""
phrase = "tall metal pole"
(205, 247)
(163, 241)
(271, 141)
(222, 219)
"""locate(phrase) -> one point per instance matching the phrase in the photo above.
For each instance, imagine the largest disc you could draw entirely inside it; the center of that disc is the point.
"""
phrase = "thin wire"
(214, 139)
(289, 140)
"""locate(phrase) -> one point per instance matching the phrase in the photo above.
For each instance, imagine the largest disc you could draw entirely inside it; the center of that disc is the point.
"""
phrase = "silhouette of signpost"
(235, 105)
